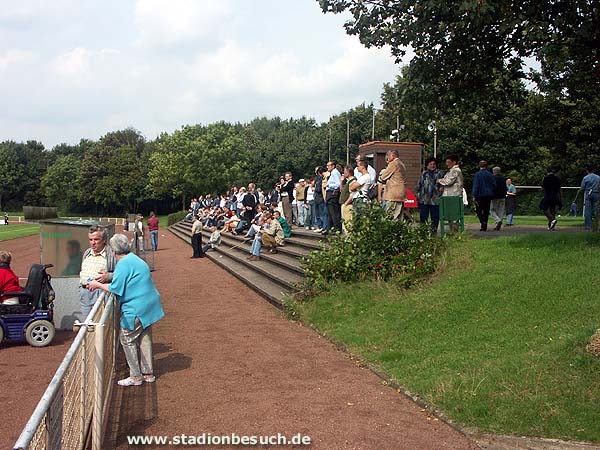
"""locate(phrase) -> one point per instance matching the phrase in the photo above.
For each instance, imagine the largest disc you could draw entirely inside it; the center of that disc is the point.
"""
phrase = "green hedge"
(176, 217)
(377, 248)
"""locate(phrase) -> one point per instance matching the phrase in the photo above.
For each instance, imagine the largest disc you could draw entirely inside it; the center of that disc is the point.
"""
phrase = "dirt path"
(227, 362)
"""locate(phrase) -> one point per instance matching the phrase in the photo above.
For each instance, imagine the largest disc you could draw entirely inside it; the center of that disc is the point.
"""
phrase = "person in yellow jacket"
(393, 177)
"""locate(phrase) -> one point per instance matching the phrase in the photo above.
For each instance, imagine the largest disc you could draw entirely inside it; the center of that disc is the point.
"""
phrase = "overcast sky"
(72, 69)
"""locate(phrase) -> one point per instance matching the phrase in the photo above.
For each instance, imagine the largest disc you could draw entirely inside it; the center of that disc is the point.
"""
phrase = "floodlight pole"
(435, 142)
(373, 128)
(348, 141)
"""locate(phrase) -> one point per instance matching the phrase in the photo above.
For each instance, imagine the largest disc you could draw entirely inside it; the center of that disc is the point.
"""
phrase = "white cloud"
(15, 57)
(171, 63)
(170, 22)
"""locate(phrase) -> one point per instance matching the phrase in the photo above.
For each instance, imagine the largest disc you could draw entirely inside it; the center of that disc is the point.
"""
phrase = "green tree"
(60, 183)
(12, 172)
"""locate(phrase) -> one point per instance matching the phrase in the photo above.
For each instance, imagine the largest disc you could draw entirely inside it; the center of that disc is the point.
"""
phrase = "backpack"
(372, 192)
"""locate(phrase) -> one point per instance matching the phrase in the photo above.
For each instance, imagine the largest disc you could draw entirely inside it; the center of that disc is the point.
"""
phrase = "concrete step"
(273, 291)
(282, 259)
(296, 246)
(274, 275)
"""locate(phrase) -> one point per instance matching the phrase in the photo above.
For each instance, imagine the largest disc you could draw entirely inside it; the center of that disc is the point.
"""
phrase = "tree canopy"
(468, 74)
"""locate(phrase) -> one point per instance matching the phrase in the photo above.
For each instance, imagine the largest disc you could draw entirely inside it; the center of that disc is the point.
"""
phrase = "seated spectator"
(257, 229)
(214, 240)
(230, 224)
(9, 281)
(272, 236)
(287, 230)
(252, 230)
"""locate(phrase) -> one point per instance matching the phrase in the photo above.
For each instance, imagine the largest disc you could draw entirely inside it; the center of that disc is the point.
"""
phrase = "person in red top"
(153, 229)
(9, 282)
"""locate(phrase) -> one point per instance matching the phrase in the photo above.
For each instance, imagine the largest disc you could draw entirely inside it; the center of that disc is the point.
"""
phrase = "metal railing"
(72, 410)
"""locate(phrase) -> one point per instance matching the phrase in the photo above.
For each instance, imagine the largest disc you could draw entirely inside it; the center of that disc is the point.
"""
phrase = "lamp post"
(433, 127)
(348, 141)
(396, 133)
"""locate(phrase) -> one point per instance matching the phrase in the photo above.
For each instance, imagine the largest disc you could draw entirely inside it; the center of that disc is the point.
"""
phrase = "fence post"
(98, 401)
(83, 382)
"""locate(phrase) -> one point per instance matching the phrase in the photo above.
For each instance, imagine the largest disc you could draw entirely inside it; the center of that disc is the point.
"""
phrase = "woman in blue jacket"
(140, 308)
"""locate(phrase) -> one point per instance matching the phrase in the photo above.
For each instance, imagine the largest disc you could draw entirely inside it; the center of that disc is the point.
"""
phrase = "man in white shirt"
(360, 187)
(332, 199)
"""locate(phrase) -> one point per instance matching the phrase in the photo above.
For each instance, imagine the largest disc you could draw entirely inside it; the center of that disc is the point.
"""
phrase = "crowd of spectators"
(323, 203)
(326, 201)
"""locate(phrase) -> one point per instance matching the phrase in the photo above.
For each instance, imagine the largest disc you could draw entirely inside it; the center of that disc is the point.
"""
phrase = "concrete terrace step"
(275, 275)
(288, 256)
(270, 290)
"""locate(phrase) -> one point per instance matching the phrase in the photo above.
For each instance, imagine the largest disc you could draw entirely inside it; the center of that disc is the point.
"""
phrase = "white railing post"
(82, 393)
(98, 401)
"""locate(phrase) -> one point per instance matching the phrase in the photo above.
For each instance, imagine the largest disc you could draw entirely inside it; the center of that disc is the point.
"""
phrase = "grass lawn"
(13, 231)
(496, 341)
(563, 221)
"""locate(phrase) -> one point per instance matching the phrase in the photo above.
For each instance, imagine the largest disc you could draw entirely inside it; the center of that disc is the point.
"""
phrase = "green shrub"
(176, 217)
(378, 248)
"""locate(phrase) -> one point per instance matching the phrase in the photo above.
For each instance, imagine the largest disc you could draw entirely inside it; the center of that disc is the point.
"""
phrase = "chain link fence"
(71, 413)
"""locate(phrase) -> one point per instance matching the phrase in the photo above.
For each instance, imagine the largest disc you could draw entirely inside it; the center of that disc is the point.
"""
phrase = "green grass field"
(535, 220)
(18, 230)
(496, 341)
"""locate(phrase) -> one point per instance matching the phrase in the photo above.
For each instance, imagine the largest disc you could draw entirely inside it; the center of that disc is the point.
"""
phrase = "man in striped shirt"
(98, 263)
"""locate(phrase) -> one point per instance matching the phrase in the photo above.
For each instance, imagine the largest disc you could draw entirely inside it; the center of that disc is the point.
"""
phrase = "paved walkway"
(228, 362)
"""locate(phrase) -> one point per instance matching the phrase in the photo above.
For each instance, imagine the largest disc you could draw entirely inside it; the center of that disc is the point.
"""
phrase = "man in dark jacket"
(483, 192)
(498, 203)
(249, 203)
(552, 198)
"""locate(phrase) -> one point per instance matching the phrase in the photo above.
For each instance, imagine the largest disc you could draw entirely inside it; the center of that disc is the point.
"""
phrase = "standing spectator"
(320, 207)
(589, 185)
(372, 174)
(138, 233)
(498, 203)
(360, 187)
(287, 196)
(394, 179)
(300, 201)
(332, 197)
(197, 238)
(552, 199)
(483, 192)
(233, 199)
(511, 202)
(140, 308)
(346, 199)
(309, 205)
(428, 194)
(275, 196)
(98, 263)
(249, 202)
(153, 230)
(452, 182)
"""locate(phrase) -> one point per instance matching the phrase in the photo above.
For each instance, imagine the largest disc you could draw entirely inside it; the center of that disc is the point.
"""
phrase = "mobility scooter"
(32, 318)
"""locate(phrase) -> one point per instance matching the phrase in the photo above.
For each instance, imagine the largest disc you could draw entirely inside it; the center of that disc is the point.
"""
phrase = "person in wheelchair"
(9, 281)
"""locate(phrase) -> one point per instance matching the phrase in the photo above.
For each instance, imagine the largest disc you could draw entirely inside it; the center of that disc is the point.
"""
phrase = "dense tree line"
(468, 75)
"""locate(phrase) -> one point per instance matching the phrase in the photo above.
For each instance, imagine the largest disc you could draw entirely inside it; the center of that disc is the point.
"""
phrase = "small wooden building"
(411, 154)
